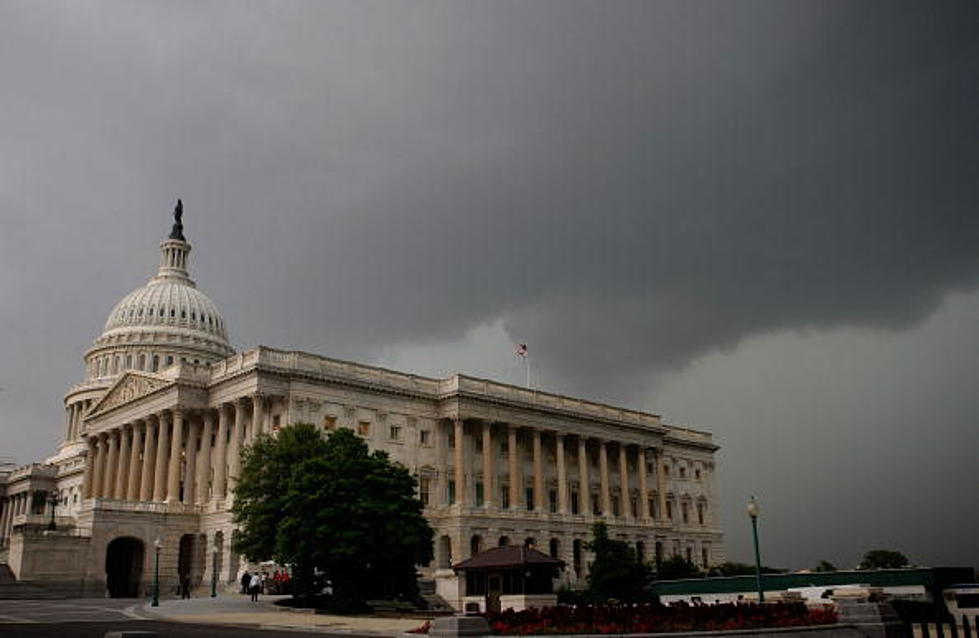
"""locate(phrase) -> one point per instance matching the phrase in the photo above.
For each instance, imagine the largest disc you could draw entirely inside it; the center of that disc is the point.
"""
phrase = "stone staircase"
(13, 589)
(434, 602)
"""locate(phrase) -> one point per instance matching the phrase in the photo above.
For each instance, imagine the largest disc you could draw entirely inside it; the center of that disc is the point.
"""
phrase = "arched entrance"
(124, 567)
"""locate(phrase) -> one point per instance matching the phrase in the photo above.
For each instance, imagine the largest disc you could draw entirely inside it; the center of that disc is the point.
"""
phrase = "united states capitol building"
(153, 436)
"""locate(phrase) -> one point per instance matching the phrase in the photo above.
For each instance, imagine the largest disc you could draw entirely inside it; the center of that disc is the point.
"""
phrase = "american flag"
(522, 350)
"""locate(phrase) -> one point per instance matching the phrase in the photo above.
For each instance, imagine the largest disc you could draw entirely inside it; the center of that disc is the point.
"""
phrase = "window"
(451, 439)
(329, 422)
(479, 493)
(574, 502)
(394, 433)
(505, 446)
(596, 506)
(696, 474)
(504, 496)
(700, 513)
(634, 506)
(424, 489)
(683, 472)
(576, 556)
(669, 510)
(276, 421)
(156, 362)
(554, 547)
(685, 512)
(552, 501)
(615, 505)
(529, 496)
(666, 470)
(479, 443)
(704, 557)
(452, 491)
(169, 359)
(652, 508)
(364, 428)
(425, 437)
(689, 555)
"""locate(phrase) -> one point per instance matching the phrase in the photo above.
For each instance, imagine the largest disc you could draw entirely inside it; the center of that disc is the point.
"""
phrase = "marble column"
(584, 489)
(149, 459)
(135, 462)
(514, 463)
(89, 468)
(234, 453)
(221, 454)
(625, 497)
(660, 483)
(643, 483)
(538, 472)
(162, 449)
(190, 466)
(69, 421)
(111, 465)
(204, 458)
(258, 416)
(176, 447)
(458, 459)
(562, 474)
(489, 472)
(603, 476)
(122, 469)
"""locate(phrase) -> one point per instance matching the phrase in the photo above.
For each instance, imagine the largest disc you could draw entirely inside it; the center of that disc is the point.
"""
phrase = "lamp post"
(214, 574)
(157, 544)
(52, 501)
(753, 511)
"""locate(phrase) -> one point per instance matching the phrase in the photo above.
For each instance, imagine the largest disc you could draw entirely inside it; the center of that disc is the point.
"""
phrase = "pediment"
(129, 387)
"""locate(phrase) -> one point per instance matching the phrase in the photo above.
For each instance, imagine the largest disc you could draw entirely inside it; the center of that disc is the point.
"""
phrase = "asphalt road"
(163, 630)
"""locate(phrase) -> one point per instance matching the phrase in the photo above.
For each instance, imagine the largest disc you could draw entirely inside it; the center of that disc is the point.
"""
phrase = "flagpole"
(526, 360)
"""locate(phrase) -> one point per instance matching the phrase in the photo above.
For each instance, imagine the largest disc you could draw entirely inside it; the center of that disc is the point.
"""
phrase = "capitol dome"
(163, 322)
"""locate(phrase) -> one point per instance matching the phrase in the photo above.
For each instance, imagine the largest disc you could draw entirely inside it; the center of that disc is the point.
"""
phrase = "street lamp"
(214, 574)
(52, 501)
(753, 511)
(156, 574)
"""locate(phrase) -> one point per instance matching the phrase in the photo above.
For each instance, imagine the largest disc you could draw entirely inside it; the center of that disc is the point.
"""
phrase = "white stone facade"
(153, 438)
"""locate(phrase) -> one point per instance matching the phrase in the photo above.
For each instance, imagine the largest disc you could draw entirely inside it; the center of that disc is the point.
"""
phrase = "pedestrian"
(255, 586)
(246, 580)
(185, 586)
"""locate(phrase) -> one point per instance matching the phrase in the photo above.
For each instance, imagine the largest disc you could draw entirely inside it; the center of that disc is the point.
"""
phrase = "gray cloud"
(626, 188)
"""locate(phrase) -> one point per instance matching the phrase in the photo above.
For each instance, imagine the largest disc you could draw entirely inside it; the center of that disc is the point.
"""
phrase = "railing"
(941, 629)
(152, 507)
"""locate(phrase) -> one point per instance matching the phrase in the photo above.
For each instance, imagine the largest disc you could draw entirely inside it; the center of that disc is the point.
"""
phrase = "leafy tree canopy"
(731, 568)
(615, 572)
(327, 503)
(824, 566)
(883, 559)
(676, 567)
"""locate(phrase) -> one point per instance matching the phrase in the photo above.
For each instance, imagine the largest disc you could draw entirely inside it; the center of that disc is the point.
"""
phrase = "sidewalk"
(238, 610)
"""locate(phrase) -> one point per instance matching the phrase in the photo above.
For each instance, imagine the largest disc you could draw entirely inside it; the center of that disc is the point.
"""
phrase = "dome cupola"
(162, 322)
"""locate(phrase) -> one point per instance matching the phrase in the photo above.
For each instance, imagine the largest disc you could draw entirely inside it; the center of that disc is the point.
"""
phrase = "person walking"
(255, 587)
(185, 586)
(246, 581)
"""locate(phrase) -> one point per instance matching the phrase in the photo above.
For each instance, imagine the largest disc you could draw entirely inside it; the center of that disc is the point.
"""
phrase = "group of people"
(260, 583)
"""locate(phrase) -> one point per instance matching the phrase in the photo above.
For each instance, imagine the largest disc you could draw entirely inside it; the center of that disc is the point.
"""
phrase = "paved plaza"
(228, 615)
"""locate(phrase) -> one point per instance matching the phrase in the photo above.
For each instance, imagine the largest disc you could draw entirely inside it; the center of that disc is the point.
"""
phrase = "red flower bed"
(642, 619)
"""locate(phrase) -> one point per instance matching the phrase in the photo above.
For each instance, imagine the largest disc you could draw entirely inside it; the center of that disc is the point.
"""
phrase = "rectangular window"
(552, 501)
(479, 443)
(329, 422)
(276, 421)
(424, 488)
(425, 437)
(504, 446)
(634, 506)
(479, 493)
(596, 505)
(615, 505)
(452, 491)
(505, 496)
(364, 428)
(574, 502)
(451, 439)
(529, 496)
(395, 433)
(669, 510)
(652, 508)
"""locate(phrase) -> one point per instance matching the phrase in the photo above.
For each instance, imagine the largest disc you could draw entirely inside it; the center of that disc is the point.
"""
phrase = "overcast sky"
(755, 218)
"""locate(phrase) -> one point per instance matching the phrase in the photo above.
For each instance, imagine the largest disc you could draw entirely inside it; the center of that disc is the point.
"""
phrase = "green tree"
(824, 566)
(883, 559)
(676, 567)
(615, 572)
(327, 503)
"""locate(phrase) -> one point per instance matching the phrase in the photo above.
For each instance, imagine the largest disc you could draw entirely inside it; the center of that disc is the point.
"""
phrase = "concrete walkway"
(238, 610)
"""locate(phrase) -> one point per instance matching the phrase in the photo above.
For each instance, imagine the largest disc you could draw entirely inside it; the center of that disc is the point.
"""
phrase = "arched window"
(504, 541)
(156, 362)
(475, 544)
(555, 547)
(640, 551)
(530, 542)
(142, 362)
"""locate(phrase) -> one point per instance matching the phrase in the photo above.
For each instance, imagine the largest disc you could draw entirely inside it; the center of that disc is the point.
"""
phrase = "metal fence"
(963, 627)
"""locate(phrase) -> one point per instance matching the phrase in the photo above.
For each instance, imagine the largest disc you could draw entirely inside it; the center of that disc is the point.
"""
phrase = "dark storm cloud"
(625, 186)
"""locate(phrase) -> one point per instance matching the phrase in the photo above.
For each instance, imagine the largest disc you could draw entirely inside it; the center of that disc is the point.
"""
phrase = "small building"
(510, 577)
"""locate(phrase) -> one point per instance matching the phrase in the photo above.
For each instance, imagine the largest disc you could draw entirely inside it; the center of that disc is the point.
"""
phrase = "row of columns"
(169, 457)
(74, 413)
(11, 507)
(515, 481)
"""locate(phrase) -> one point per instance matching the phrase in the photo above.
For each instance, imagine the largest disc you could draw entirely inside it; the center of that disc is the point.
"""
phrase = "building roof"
(508, 556)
